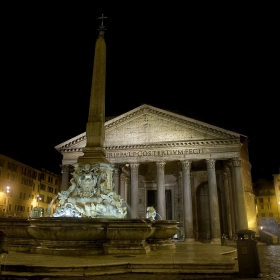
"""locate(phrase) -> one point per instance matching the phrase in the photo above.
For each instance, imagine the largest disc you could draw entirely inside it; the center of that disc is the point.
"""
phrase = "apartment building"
(276, 181)
(23, 187)
(267, 199)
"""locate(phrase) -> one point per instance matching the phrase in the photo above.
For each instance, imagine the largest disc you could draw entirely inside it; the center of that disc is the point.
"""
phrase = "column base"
(216, 241)
(190, 240)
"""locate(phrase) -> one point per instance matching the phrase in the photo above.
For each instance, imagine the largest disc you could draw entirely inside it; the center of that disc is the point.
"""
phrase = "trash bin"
(247, 253)
(224, 240)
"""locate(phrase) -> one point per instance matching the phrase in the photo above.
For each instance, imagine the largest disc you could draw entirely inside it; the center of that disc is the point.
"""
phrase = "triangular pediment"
(148, 125)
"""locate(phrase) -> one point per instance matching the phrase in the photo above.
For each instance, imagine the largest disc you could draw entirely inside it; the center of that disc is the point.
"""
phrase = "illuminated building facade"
(190, 171)
(23, 187)
(267, 198)
(276, 179)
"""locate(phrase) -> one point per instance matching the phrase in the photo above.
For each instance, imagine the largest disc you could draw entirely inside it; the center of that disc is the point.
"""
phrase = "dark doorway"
(152, 201)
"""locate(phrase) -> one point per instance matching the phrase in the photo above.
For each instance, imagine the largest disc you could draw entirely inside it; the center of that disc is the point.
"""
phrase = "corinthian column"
(122, 186)
(116, 178)
(134, 189)
(233, 200)
(127, 190)
(65, 170)
(161, 203)
(228, 209)
(241, 218)
(187, 200)
(213, 202)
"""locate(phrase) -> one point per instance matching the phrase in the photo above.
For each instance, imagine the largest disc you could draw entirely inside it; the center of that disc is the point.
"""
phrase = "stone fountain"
(90, 218)
(91, 194)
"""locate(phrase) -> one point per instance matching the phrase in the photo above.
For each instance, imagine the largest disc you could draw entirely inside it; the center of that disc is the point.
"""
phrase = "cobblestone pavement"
(269, 256)
(269, 261)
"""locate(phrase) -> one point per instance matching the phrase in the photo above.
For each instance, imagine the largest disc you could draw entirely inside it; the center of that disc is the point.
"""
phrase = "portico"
(192, 172)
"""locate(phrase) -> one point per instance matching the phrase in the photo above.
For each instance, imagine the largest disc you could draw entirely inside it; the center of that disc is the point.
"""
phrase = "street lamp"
(38, 199)
(8, 191)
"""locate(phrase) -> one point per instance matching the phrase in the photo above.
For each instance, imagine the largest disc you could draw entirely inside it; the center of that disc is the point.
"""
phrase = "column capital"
(160, 165)
(186, 164)
(226, 171)
(230, 165)
(123, 176)
(116, 170)
(115, 166)
(210, 163)
(127, 180)
(134, 166)
(225, 175)
(236, 162)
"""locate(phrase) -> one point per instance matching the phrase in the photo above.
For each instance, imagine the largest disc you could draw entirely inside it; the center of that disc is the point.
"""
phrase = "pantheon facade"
(190, 171)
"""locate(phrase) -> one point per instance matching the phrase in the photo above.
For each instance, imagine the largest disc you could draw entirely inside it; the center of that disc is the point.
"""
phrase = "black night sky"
(217, 64)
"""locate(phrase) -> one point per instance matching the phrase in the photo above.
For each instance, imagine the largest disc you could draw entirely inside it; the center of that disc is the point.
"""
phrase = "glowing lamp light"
(7, 189)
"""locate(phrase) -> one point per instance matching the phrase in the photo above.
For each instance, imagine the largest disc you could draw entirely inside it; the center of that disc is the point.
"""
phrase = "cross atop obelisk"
(95, 130)
(101, 27)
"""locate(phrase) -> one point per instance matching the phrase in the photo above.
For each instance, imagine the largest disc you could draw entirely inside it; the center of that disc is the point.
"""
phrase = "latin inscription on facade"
(160, 153)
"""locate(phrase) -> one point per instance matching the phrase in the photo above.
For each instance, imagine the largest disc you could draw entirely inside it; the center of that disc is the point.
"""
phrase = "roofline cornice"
(177, 144)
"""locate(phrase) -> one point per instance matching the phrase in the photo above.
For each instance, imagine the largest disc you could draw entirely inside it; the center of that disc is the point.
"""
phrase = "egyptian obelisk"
(95, 130)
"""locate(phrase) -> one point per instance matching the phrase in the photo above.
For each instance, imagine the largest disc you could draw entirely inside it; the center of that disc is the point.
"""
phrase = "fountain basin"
(67, 228)
(90, 236)
(160, 239)
(67, 235)
(87, 236)
(128, 236)
(17, 236)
